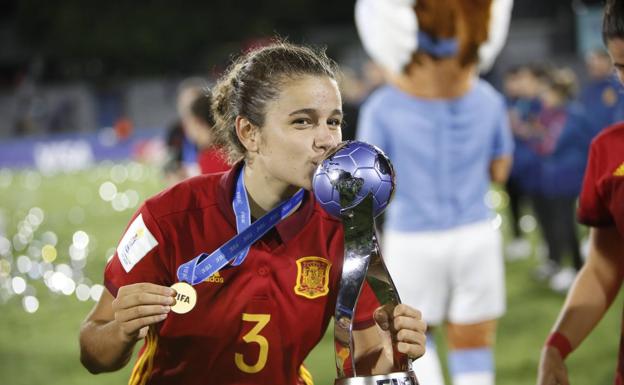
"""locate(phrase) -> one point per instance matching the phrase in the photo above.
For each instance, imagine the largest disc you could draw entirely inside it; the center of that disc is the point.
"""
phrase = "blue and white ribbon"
(236, 249)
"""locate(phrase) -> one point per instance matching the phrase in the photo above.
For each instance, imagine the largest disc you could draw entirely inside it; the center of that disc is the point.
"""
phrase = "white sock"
(427, 367)
(483, 378)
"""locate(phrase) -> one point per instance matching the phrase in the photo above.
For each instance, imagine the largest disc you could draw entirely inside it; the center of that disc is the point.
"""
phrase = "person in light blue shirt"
(448, 136)
(441, 150)
(439, 242)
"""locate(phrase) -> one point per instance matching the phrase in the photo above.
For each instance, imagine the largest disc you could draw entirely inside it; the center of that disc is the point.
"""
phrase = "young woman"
(600, 206)
(278, 111)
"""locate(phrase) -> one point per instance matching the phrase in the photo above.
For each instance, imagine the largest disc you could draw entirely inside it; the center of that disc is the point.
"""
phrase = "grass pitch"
(39, 337)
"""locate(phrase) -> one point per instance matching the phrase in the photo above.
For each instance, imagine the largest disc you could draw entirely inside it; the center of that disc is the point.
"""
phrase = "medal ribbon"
(236, 249)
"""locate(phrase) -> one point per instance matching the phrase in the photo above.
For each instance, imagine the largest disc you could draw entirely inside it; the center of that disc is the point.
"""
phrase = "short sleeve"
(592, 211)
(139, 256)
(503, 143)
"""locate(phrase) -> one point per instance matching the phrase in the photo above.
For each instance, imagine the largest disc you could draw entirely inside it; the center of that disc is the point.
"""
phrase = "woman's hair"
(255, 79)
(613, 22)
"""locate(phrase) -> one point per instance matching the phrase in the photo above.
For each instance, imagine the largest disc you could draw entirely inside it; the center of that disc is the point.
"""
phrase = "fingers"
(140, 305)
(143, 294)
(406, 326)
(143, 311)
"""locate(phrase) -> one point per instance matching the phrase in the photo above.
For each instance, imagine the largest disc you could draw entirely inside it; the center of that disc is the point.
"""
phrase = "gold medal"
(186, 297)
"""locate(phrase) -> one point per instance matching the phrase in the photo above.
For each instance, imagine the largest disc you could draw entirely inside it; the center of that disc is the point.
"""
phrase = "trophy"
(355, 183)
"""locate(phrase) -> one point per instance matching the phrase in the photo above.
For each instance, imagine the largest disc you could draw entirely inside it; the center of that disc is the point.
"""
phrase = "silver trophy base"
(397, 378)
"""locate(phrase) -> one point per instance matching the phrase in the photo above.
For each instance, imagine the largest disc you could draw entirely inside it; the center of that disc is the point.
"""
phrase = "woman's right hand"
(139, 305)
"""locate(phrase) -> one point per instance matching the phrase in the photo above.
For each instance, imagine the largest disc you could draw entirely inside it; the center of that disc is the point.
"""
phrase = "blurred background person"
(602, 93)
(181, 160)
(447, 132)
(522, 86)
(199, 129)
(561, 140)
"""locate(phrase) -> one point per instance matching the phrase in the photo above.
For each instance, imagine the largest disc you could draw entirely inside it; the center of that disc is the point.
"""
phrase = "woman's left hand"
(406, 326)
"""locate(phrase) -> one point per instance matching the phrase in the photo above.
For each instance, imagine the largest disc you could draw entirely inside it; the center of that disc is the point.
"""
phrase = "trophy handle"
(362, 259)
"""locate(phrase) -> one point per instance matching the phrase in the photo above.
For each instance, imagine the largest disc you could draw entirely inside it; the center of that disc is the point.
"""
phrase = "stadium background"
(73, 74)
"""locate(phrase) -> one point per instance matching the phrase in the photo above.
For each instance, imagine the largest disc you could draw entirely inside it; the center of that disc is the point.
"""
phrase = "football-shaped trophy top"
(350, 172)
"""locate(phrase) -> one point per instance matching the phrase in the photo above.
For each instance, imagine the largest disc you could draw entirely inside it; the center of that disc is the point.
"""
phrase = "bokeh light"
(5, 246)
(83, 292)
(120, 202)
(527, 223)
(30, 304)
(24, 264)
(80, 239)
(96, 292)
(496, 222)
(108, 190)
(136, 171)
(119, 173)
(493, 199)
(48, 253)
(49, 238)
(18, 284)
(5, 268)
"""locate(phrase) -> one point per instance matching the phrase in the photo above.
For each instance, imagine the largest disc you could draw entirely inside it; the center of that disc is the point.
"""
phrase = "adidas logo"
(215, 278)
(619, 171)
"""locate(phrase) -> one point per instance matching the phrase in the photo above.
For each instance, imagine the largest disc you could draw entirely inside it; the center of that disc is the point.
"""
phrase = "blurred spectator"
(199, 129)
(522, 87)
(182, 154)
(562, 144)
(602, 93)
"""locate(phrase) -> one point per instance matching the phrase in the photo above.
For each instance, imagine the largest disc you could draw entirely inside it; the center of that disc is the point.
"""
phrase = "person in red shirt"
(278, 110)
(199, 128)
(601, 207)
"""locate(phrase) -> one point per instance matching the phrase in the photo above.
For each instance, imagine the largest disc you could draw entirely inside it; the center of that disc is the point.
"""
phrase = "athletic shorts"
(454, 275)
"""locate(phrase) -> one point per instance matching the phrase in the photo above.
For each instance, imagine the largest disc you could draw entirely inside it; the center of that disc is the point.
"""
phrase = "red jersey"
(602, 199)
(252, 324)
(212, 160)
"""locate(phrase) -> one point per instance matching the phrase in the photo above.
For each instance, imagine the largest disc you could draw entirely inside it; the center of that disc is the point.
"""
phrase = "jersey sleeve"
(591, 210)
(503, 143)
(139, 256)
(366, 306)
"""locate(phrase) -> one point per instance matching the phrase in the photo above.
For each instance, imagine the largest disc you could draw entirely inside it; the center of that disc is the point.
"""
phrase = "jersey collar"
(287, 229)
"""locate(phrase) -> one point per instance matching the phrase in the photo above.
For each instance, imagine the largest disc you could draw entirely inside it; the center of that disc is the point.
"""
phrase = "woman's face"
(616, 50)
(300, 127)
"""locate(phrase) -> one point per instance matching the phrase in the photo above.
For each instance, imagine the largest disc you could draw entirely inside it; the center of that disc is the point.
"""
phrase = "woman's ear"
(247, 133)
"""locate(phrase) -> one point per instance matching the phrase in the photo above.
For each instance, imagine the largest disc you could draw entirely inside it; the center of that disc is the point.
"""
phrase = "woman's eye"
(302, 121)
(334, 122)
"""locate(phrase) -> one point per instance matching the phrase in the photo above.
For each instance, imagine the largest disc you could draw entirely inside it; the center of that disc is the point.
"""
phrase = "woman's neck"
(264, 193)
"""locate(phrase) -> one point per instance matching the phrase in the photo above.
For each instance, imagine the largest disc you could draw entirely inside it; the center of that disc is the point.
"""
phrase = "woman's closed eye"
(302, 122)
(334, 123)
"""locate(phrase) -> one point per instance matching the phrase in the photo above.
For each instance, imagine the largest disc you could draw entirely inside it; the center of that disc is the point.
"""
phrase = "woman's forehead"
(309, 89)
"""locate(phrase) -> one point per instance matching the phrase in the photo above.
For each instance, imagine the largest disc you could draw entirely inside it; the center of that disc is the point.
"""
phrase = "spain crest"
(312, 277)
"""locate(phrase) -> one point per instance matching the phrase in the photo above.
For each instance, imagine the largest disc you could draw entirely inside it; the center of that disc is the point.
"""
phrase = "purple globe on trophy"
(364, 168)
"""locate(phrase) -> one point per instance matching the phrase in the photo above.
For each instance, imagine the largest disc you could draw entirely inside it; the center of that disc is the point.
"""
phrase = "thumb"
(383, 318)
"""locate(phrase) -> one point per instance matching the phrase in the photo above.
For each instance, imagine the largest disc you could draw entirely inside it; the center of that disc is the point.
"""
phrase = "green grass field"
(42, 347)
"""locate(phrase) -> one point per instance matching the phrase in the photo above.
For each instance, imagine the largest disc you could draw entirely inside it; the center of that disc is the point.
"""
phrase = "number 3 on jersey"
(253, 335)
